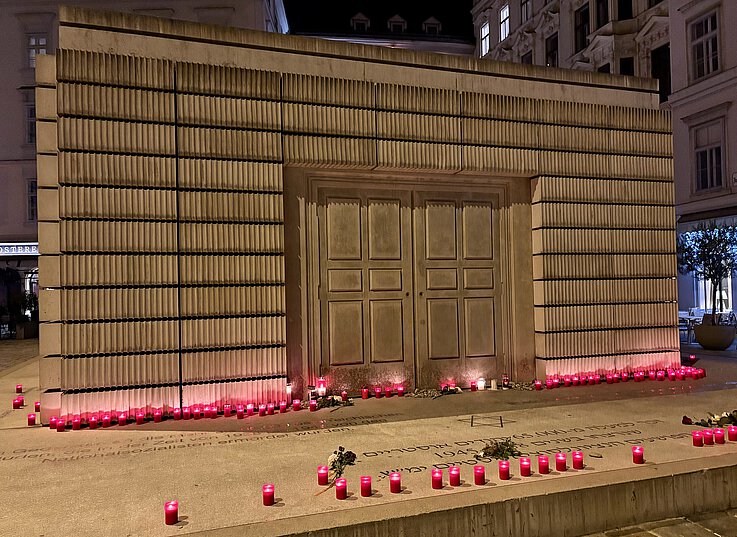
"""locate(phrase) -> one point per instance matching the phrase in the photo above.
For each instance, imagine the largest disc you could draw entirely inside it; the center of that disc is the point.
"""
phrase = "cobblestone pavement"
(722, 524)
(14, 352)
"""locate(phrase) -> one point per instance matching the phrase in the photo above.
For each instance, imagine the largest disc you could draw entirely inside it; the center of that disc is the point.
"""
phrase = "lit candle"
(625, 376)
(560, 462)
(157, 416)
(197, 412)
(479, 475)
(525, 467)
(60, 425)
(400, 391)
(395, 482)
(566, 381)
(53, 420)
(206, 411)
(227, 411)
(732, 433)
(454, 474)
(171, 512)
(549, 384)
(692, 357)
(122, 419)
(538, 385)
(322, 386)
(387, 392)
(341, 489)
(282, 407)
(708, 437)
(344, 395)
(615, 376)
(671, 375)
(543, 464)
(289, 391)
(322, 475)
(504, 470)
(481, 383)
(556, 382)
(661, 375)
(177, 413)
(697, 438)
(377, 392)
(106, 420)
(652, 375)
(702, 373)
(575, 380)
(262, 409)
(365, 486)
(249, 409)
(689, 372)
(214, 411)
(268, 494)
(22, 400)
(473, 386)
(437, 478)
(609, 379)
(269, 409)
(37, 406)
(364, 393)
(16, 403)
(93, 422)
(577, 457)
(313, 405)
(638, 454)
(32, 420)
(186, 413)
(76, 423)
(296, 405)
(140, 418)
(19, 388)
(240, 412)
(719, 436)
(679, 374)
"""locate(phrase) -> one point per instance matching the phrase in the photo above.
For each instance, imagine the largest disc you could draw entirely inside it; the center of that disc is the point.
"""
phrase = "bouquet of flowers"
(337, 463)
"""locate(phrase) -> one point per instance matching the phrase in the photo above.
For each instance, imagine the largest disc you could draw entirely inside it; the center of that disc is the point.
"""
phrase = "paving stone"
(722, 524)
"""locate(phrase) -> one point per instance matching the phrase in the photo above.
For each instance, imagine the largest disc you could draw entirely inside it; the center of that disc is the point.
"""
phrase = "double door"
(408, 289)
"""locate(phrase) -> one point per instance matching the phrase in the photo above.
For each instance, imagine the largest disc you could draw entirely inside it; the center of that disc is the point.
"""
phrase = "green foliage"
(500, 449)
(710, 253)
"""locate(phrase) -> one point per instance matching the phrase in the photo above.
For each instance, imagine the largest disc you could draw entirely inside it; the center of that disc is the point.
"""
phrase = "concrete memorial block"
(174, 171)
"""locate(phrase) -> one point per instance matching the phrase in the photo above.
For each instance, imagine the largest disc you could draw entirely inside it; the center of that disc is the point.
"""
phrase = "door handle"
(406, 294)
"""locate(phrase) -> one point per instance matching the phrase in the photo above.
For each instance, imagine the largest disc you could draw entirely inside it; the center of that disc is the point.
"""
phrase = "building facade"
(704, 107)
(225, 212)
(626, 37)
(30, 29)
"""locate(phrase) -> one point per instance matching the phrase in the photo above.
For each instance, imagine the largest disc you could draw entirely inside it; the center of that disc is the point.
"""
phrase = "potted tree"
(710, 253)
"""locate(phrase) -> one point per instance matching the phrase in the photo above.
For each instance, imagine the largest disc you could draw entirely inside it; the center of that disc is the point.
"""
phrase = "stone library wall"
(163, 230)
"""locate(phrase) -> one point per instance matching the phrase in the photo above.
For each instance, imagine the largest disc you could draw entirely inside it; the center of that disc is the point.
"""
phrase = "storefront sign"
(18, 248)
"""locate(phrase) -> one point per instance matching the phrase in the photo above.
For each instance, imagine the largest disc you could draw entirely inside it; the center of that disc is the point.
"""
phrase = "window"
(660, 69)
(36, 46)
(624, 10)
(431, 26)
(627, 66)
(551, 51)
(707, 141)
(32, 201)
(360, 23)
(602, 12)
(397, 24)
(581, 24)
(704, 46)
(504, 22)
(525, 10)
(606, 68)
(359, 26)
(484, 38)
(31, 123)
(527, 58)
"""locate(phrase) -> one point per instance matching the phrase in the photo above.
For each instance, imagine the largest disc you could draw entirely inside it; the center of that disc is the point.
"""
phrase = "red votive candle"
(549, 384)
(270, 409)
(697, 438)
(19, 388)
(395, 482)
(93, 422)
(652, 375)
(638, 454)
(140, 418)
(322, 475)
(364, 393)
(76, 423)
(719, 436)
(387, 392)
(504, 470)
(227, 411)
(660, 375)
(377, 392)
(158, 416)
(296, 405)
(122, 419)
(437, 478)
(106, 420)
(240, 412)
(708, 437)
(37, 406)
(679, 374)
(575, 380)
(538, 385)
(479, 475)
(577, 457)
(262, 410)
(625, 376)
(616, 377)
(177, 414)
(543, 464)
(365, 486)
(400, 391)
(52, 422)
(186, 413)
(560, 462)
(313, 405)
(692, 357)
(454, 475)
(556, 382)
(268, 494)
(171, 512)
(525, 467)
(32, 421)
(344, 395)
(207, 412)
(16, 404)
(282, 407)
(671, 375)
(609, 379)
(474, 386)
(566, 381)
(60, 425)
(732, 433)
(249, 409)
(341, 489)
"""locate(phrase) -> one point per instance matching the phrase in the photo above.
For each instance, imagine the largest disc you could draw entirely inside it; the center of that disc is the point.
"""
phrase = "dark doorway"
(660, 69)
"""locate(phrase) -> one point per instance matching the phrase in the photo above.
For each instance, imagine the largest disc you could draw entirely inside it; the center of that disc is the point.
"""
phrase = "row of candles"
(709, 437)
(583, 379)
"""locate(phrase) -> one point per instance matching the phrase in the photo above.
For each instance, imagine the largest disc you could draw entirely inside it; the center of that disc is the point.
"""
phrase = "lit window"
(484, 38)
(704, 46)
(30, 123)
(504, 22)
(36, 46)
(525, 10)
(708, 155)
(32, 201)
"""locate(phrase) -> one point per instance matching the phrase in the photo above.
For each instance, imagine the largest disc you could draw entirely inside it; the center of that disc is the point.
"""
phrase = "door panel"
(442, 328)
(345, 321)
(387, 331)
